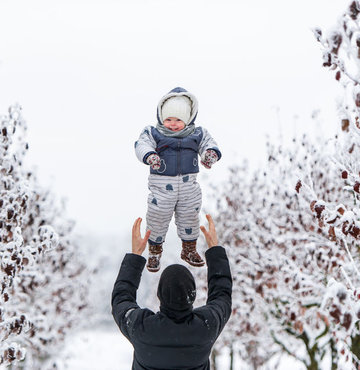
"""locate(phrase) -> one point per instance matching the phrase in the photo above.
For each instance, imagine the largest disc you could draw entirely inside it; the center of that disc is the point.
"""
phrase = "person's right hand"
(154, 161)
(210, 235)
(138, 243)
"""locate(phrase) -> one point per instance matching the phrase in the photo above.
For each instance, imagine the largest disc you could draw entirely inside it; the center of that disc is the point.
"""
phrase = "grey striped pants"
(173, 194)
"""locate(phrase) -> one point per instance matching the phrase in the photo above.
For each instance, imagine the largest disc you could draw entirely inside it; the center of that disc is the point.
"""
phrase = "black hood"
(177, 289)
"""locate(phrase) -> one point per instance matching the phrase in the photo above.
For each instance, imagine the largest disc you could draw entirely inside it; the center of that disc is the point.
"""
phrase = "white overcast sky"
(89, 75)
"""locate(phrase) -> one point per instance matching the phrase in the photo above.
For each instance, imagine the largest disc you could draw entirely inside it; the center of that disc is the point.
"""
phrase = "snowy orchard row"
(292, 231)
(43, 284)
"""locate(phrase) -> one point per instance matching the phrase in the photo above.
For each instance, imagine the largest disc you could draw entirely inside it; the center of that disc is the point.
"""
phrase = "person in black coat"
(178, 336)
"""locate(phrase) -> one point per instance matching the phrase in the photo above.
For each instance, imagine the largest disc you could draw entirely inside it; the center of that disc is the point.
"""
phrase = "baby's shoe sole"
(195, 264)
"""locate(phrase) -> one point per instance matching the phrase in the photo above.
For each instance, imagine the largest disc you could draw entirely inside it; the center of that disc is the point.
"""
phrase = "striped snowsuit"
(173, 194)
(173, 188)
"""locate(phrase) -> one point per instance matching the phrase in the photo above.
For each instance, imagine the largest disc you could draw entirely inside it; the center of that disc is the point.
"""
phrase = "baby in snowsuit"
(171, 149)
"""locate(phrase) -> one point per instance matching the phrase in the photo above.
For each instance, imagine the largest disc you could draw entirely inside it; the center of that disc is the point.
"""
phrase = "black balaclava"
(176, 291)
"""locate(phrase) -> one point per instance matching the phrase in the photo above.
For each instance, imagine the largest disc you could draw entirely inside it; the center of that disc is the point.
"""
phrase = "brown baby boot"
(153, 264)
(190, 255)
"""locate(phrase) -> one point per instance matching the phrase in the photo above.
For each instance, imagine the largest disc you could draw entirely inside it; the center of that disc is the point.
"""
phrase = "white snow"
(101, 348)
(107, 349)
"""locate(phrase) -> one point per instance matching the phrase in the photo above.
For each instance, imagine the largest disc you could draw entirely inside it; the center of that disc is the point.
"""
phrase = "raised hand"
(210, 235)
(138, 243)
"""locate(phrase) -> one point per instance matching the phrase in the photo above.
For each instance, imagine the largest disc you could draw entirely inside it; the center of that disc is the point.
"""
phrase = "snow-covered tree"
(341, 218)
(280, 258)
(292, 231)
(43, 281)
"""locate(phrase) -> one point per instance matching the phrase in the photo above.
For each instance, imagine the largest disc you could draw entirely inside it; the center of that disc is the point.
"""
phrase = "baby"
(171, 149)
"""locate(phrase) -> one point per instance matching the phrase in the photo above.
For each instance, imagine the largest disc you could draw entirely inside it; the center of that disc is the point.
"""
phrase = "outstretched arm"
(219, 276)
(124, 293)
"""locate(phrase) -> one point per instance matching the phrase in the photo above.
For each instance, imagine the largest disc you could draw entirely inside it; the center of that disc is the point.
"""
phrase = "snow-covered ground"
(107, 349)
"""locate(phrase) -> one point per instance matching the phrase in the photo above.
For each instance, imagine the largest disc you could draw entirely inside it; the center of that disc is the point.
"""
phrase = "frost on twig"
(43, 288)
(292, 232)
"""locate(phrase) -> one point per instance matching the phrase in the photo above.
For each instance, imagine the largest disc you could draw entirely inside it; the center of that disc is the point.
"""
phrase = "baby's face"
(174, 124)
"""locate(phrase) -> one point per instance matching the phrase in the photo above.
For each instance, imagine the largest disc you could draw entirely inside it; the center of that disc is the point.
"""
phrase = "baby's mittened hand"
(209, 158)
(154, 161)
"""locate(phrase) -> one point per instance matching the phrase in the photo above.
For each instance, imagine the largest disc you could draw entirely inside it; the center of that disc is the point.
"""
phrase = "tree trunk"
(355, 346)
(313, 363)
(213, 359)
(334, 355)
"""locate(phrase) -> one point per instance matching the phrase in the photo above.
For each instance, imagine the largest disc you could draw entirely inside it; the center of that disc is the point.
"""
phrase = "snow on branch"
(43, 283)
(292, 233)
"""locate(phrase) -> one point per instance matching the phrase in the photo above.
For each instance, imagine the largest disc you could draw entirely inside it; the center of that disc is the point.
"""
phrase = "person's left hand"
(209, 158)
(138, 243)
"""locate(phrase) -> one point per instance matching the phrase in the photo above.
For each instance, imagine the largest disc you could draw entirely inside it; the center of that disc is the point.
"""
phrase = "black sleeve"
(123, 299)
(219, 284)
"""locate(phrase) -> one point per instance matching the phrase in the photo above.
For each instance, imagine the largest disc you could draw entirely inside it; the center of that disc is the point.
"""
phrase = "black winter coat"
(182, 342)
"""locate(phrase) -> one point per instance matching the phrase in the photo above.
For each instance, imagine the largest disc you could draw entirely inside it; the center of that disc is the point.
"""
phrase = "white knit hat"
(177, 106)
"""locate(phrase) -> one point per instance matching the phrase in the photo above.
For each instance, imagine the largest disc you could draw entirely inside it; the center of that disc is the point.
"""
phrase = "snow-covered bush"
(341, 218)
(280, 258)
(43, 282)
(292, 232)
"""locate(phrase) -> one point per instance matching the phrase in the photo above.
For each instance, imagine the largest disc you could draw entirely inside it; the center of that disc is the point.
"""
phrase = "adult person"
(178, 336)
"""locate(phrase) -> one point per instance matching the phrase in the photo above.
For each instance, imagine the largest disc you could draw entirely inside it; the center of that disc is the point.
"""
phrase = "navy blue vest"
(179, 156)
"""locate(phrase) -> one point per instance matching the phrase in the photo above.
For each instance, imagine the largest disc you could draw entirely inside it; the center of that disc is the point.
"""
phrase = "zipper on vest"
(178, 158)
